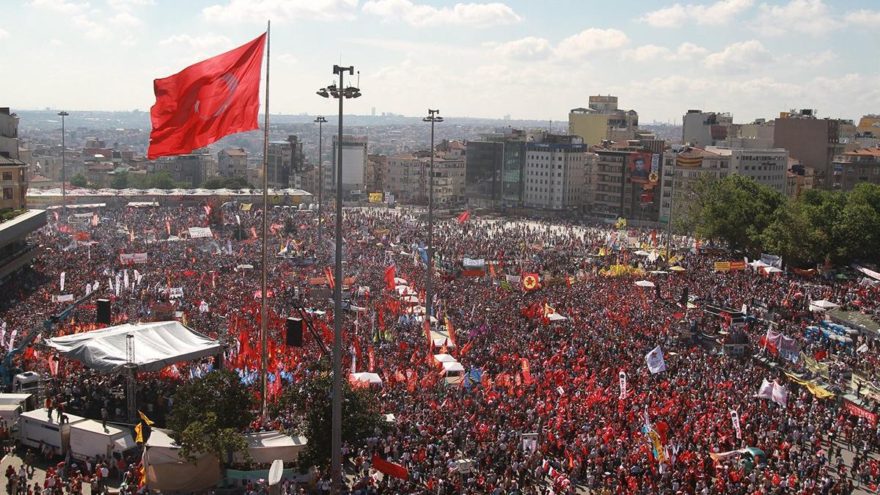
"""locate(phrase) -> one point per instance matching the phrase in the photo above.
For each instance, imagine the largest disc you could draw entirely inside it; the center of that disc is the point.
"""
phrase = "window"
(7, 193)
(7, 175)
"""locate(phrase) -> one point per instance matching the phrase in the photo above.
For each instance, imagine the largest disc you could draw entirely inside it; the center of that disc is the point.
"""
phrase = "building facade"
(556, 173)
(626, 181)
(285, 163)
(602, 121)
(408, 178)
(767, 167)
(813, 141)
(494, 169)
(853, 167)
(232, 162)
(190, 170)
(354, 165)
(703, 129)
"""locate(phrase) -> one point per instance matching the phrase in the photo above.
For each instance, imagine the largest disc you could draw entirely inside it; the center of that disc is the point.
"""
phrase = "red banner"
(860, 412)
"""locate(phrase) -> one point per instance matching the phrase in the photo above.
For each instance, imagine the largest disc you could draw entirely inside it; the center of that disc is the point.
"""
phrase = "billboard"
(639, 166)
(376, 197)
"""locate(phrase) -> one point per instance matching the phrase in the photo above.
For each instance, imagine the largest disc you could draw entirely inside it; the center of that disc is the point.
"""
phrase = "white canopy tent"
(156, 345)
(444, 358)
(366, 378)
(645, 283)
(454, 367)
(266, 446)
(822, 305)
(167, 471)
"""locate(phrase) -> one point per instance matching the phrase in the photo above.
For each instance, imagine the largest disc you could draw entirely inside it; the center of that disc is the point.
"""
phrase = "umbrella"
(676, 269)
(645, 283)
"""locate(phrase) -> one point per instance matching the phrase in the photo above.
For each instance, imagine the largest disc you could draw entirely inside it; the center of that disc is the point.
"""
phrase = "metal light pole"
(63, 114)
(433, 118)
(336, 416)
(320, 121)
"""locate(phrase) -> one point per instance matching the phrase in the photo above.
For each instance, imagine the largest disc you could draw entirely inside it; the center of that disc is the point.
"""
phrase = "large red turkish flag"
(206, 101)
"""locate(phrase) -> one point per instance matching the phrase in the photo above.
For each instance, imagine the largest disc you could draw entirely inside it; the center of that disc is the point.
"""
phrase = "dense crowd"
(527, 376)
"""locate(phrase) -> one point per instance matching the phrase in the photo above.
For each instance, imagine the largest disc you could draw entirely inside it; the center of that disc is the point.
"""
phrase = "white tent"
(400, 281)
(167, 471)
(266, 446)
(444, 358)
(453, 367)
(645, 283)
(156, 345)
(556, 317)
(822, 305)
(366, 378)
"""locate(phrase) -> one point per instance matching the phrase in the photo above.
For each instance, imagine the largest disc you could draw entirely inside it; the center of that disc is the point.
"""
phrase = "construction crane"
(6, 370)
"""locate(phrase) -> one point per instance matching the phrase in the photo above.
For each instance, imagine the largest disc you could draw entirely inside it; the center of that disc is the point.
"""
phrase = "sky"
(529, 59)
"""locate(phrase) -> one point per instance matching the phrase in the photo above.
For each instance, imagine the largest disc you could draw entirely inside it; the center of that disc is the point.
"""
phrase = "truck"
(89, 439)
(36, 429)
(12, 405)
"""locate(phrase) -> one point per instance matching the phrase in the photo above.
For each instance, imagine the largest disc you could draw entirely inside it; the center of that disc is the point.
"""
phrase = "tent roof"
(366, 377)
(156, 345)
(452, 366)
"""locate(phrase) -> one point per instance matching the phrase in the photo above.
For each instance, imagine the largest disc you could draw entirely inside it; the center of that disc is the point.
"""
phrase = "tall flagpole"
(264, 334)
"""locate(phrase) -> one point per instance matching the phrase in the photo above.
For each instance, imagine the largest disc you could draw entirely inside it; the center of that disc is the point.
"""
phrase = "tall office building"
(494, 169)
(602, 121)
(813, 141)
(354, 166)
(408, 178)
(626, 180)
(555, 173)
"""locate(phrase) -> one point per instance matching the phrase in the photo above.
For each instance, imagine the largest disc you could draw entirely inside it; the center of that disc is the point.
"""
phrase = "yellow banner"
(376, 197)
(722, 266)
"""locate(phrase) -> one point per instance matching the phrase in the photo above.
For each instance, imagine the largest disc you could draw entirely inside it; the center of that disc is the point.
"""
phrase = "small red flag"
(464, 217)
(207, 101)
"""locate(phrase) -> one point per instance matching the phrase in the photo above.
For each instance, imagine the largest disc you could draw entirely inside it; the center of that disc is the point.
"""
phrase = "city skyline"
(485, 60)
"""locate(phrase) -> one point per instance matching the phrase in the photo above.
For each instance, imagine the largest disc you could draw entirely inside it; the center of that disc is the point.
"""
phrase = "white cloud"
(129, 4)
(60, 6)
(529, 48)
(465, 14)
(236, 11)
(3, 34)
(647, 53)
(864, 17)
(125, 19)
(287, 58)
(810, 17)
(676, 15)
(198, 43)
(91, 29)
(591, 41)
(739, 57)
(813, 60)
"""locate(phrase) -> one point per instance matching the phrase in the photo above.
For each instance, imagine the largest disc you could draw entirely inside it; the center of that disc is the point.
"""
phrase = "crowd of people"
(543, 407)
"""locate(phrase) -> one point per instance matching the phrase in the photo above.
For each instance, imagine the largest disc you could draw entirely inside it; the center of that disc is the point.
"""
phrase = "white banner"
(773, 391)
(622, 376)
(176, 292)
(473, 263)
(125, 279)
(62, 281)
(655, 361)
(203, 307)
(12, 339)
(137, 258)
(62, 298)
(200, 232)
(734, 418)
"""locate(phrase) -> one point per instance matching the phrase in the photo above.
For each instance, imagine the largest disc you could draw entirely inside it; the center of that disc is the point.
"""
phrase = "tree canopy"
(209, 415)
(310, 405)
(816, 227)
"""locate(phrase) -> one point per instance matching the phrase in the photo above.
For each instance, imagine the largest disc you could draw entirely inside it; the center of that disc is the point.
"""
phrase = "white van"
(88, 439)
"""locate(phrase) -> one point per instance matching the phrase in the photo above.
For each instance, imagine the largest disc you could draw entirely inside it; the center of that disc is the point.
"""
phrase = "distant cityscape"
(602, 163)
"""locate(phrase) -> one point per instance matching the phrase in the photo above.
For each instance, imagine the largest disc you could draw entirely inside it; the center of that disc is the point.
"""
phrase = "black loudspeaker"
(103, 315)
(294, 332)
(684, 297)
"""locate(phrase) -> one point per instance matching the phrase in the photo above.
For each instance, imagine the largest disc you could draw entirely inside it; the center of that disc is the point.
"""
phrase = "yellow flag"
(145, 419)
(139, 433)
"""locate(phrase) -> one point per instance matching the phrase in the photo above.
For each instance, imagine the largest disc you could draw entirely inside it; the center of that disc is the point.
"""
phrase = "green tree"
(209, 415)
(857, 231)
(120, 180)
(310, 405)
(226, 183)
(79, 180)
(735, 209)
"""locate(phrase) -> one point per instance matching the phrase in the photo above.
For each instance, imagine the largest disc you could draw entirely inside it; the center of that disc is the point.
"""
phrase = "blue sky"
(528, 59)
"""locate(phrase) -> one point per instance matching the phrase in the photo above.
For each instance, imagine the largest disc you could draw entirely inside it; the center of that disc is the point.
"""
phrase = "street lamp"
(63, 114)
(433, 118)
(336, 417)
(320, 121)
